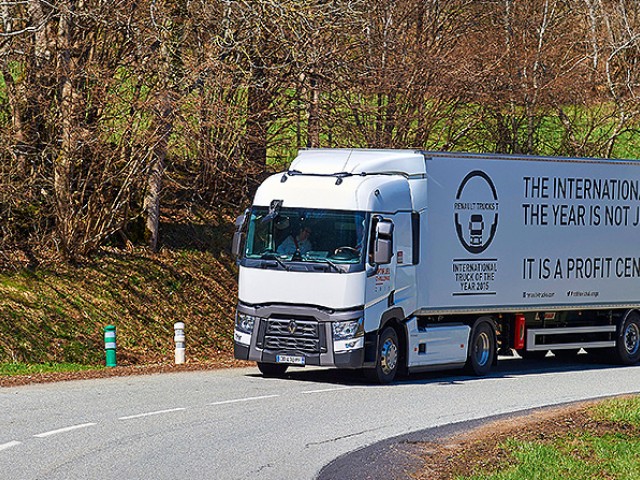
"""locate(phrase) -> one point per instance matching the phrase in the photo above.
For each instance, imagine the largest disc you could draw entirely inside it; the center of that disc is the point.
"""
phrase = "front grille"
(307, 345)
(293, 335)
(295, 328)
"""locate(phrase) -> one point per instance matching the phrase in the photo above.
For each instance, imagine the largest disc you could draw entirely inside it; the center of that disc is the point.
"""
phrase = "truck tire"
(482, 349)
(388, 358)
(627, 349)
(272, 370)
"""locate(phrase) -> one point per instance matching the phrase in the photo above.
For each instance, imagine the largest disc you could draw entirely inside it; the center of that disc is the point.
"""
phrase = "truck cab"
(327, 257)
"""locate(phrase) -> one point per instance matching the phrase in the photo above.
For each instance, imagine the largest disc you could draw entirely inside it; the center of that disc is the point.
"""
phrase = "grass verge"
(600, 441)
(12, 369)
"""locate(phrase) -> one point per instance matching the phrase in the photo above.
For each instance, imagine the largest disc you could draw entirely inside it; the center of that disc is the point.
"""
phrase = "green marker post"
(110, 345)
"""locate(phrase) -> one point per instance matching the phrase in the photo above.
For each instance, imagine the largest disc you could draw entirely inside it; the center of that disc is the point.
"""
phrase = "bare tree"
(621, 59)
(111, 112)
(608, 109)
(169, 25)
(69, 57)
(536, 62)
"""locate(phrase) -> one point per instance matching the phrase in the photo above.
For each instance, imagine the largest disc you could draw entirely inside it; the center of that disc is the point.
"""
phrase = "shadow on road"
(507, 367)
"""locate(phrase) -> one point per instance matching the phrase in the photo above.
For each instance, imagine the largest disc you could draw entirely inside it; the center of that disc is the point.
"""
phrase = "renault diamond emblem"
(292, 327)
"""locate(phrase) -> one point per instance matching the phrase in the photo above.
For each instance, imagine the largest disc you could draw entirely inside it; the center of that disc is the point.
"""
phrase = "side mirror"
(237, 244)
(240, 219)
(383, 243)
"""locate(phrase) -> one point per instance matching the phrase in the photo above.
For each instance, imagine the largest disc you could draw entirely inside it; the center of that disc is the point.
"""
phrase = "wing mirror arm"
(237, 244)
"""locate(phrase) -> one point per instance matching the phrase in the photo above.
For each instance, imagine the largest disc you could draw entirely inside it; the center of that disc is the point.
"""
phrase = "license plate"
(291, 359)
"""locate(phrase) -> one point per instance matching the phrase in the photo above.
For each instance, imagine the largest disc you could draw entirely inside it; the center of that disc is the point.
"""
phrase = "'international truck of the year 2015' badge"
(476, 212)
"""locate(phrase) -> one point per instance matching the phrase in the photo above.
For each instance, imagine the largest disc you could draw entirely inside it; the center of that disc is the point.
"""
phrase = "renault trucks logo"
(292, 327)
(476, 212)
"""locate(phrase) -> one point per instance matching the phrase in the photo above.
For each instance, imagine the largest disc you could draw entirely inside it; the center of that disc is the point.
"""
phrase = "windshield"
(307, 235)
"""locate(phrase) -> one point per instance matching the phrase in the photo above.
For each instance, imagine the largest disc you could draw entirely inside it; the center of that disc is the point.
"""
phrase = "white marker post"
(179, 338)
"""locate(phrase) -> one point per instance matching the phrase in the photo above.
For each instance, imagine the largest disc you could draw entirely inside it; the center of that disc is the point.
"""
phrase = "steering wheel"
(351, 250)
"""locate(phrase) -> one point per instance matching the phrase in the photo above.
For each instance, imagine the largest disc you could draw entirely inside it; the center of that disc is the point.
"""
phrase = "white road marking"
(149, 414)
(63, 430)
(8, 445)
(240, 400)
(327, 390)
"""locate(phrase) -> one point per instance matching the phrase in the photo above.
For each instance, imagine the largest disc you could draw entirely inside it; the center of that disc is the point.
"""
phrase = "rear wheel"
(627, 349)
(482, 349)
(388, 358)
(271, 370)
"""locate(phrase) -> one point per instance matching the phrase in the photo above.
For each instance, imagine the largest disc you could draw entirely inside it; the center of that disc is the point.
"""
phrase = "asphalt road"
(234, 424)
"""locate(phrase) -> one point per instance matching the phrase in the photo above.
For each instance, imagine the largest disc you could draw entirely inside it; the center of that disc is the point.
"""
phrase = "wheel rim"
(482, 348)
(388, 356)
(632, 339)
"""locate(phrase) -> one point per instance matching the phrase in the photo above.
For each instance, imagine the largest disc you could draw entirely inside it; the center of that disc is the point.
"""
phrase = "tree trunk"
(156, 171)
(314, 113)
(171, 70)
(64, 160)
(257, 120)
(152, 198)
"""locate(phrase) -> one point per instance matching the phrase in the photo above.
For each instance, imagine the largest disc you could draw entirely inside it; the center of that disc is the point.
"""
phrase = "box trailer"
(407, 260)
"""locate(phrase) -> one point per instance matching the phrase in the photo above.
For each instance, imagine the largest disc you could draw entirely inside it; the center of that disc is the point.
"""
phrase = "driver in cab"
(296, 243)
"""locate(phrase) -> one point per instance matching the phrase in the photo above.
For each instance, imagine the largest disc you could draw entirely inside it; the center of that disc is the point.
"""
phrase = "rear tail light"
(518, 334)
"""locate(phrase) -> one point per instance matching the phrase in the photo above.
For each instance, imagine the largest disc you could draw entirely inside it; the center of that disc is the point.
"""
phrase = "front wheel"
(388, 358)
(482, 349)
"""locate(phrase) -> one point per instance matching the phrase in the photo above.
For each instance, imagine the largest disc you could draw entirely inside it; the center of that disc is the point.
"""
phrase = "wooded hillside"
(112, 110)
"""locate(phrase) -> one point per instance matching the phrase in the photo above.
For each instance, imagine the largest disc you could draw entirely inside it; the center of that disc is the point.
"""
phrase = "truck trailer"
(407, 260)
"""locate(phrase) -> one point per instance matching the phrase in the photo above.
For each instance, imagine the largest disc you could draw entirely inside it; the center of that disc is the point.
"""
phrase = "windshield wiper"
(331, 264)
(272, 256)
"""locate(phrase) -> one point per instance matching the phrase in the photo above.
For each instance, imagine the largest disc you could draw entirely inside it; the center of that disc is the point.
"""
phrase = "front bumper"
(351, 359)
(297, 331)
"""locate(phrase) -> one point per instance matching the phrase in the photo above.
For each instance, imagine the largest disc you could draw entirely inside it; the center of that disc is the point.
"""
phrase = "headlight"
(348, 330)
(245, 323)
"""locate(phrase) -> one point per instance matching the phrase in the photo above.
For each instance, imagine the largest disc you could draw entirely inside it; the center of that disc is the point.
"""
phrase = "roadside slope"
(58, 314)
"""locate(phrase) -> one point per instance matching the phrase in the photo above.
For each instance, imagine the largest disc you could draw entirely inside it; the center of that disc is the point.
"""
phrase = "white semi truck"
(403, 261)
